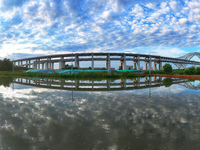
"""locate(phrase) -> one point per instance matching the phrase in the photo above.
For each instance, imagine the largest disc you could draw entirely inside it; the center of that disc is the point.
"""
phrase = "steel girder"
(188, 56)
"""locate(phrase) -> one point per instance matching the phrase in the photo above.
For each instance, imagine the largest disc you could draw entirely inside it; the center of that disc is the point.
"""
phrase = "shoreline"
(176, 76)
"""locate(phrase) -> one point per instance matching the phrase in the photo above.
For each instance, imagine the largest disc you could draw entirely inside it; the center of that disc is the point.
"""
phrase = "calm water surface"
(99, 115)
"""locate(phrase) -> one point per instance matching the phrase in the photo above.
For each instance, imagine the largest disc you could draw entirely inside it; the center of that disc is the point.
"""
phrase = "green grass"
(82, 75)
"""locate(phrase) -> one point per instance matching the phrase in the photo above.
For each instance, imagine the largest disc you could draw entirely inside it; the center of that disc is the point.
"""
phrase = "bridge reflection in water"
(104, 85)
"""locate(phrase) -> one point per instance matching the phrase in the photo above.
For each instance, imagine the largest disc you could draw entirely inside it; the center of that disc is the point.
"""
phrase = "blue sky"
(42, 27)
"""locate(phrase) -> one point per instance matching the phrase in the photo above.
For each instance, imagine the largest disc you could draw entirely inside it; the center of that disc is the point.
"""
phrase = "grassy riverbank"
(82, 75)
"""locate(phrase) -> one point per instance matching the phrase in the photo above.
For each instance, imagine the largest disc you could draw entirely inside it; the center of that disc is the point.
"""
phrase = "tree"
(197, 71)
(167, 69)
(6, 65)
(190, 71)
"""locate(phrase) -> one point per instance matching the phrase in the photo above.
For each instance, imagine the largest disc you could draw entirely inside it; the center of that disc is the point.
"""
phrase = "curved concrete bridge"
(48, 61)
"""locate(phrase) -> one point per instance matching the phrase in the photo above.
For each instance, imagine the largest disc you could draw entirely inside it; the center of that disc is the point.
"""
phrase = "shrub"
(197, 71)
(190, 71)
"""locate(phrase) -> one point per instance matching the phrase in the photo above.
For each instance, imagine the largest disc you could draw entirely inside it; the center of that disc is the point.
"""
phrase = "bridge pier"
(108, 62)
(19, 63)
(134, 65)
(146, 65)
(29, 62)
(34, 65)
(92, 62)
(150, 63)
(138, 63)
(61, 62)
(48, 64)
(52, 65)
(160, 65)
(123, 62)
(157, 63)
(38, 64)
(76, 61)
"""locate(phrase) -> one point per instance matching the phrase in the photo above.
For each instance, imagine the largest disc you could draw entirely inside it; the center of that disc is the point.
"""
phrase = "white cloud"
(163, 4)
(183, 21)
(138, 10)
(110, 25)
(168, 52)
(151, 6)
(105, 14)
(174, 5)
(194, 4)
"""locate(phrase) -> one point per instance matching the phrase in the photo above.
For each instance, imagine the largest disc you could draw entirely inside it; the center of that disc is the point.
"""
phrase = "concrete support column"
(145, 65)
(49, 65)
(46, 65)
(160, 65)
(154, 66)
(61, 62)
(134, 65)
(34, 65)
(92, 62)
(42, 65)
(123, 62)
(52, 65)
(76, 61)
(138, 63)
(26, 63)
(38, 64)
(150, 64)
(29, 63)
(21, 63)
(108, 62)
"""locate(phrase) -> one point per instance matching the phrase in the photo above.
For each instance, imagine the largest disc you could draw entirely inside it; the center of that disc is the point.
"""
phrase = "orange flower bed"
(177, 76)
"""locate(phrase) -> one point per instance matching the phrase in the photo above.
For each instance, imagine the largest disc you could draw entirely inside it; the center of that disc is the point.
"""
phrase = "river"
(128, 114)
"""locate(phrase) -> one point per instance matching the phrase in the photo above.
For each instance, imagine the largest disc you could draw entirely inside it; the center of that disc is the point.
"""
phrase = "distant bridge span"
(48, 61)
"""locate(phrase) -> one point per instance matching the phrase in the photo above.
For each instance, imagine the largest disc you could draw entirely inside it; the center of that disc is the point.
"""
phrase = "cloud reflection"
(49, 118)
